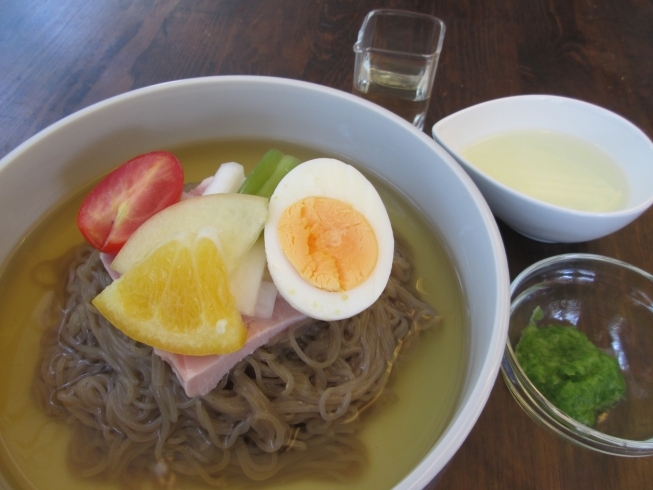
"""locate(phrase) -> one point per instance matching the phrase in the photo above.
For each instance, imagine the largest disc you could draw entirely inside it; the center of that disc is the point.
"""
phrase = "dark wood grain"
(57, 57)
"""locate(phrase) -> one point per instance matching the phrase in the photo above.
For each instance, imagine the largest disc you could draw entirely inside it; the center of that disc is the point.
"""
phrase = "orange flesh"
(177, 299)
(330, 244)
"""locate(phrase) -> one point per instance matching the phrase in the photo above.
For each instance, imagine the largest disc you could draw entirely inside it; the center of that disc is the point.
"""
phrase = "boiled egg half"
(328, 240)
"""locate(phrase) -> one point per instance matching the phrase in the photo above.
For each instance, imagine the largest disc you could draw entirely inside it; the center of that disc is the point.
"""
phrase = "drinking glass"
(397, 55)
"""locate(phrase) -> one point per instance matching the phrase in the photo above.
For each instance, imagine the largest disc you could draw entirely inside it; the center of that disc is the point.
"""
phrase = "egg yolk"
(330, 244)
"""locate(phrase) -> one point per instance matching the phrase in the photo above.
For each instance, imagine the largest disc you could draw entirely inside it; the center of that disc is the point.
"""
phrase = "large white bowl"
(84, 145)
(619, 138)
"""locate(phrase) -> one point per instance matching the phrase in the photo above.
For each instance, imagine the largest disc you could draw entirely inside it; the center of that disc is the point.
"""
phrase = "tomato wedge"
(128, 197)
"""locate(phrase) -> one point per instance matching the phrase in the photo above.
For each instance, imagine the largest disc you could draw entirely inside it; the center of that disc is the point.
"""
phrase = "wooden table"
(59, 56)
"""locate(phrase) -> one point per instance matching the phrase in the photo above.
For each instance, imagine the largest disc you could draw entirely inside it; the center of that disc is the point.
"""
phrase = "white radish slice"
(229, 177)
(267, 295)
(245, 280)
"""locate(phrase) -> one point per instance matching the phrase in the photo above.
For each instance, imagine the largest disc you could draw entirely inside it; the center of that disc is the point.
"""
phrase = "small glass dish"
(612, 303)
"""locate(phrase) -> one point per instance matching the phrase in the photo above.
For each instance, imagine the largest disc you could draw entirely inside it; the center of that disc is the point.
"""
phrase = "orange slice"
(177, 299)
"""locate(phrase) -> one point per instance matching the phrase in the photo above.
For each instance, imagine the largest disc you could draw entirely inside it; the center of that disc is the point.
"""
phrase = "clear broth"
(397, 435)
(553, 167)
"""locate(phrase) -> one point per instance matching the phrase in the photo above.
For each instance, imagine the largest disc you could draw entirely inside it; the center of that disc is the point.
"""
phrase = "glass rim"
(358, 49)
(574, 256)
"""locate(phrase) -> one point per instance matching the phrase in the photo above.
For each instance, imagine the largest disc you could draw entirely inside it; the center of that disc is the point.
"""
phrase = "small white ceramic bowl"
(620, 139)
(85, 145)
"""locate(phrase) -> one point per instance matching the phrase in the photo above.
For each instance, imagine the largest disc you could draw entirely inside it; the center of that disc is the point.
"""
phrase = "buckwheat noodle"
(291, 407)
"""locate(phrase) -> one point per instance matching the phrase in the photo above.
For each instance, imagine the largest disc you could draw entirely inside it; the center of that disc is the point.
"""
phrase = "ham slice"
(200, 374)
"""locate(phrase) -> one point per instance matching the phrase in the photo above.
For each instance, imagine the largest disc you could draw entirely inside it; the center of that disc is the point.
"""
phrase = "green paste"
(569, 370)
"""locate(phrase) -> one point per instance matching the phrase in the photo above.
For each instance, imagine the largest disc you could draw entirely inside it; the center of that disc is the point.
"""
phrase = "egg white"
(327, 177)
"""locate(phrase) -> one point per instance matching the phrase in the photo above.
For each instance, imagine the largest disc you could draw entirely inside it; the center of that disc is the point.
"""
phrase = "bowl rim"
(478, 390)
(544, 99)
(538, 407)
